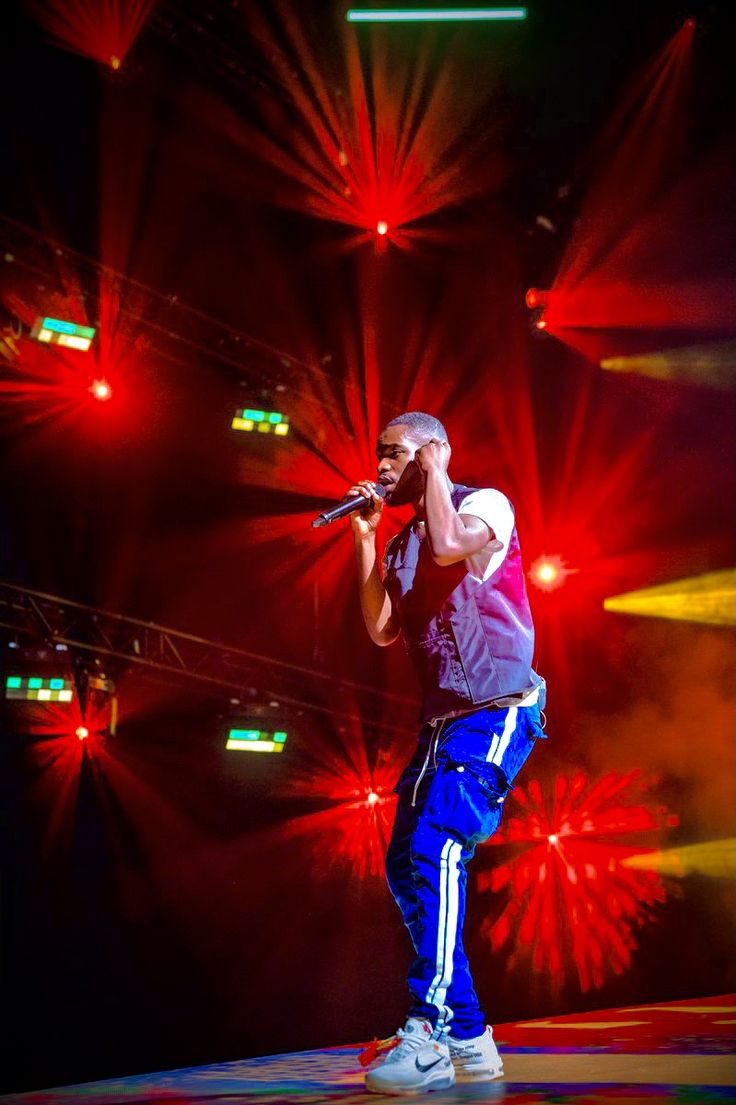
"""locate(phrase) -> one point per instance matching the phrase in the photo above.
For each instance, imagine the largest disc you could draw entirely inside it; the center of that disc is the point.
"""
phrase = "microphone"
(347, 506)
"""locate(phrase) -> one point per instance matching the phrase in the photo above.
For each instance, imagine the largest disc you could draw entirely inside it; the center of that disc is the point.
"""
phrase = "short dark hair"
(421, 426)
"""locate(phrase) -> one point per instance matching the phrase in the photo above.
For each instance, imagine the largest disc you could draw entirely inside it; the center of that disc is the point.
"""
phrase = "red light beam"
(573, 903)
(104, 30)
(368, 141)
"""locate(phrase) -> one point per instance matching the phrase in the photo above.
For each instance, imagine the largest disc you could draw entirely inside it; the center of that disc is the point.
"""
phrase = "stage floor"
(679, 1051)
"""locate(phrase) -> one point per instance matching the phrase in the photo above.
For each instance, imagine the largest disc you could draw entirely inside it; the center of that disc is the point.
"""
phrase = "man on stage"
(453, 586)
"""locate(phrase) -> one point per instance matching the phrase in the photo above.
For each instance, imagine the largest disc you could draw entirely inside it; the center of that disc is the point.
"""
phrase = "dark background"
(165, 903)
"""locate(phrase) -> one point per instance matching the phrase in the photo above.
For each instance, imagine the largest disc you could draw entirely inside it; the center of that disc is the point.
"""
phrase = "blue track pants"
(450, 800)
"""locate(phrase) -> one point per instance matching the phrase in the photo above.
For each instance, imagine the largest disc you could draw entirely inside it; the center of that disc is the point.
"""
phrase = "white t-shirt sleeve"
(493, 508)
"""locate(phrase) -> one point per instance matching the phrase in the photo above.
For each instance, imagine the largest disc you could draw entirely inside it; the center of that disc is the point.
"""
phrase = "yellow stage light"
(716, 858)
(712, 366)
(709, 599)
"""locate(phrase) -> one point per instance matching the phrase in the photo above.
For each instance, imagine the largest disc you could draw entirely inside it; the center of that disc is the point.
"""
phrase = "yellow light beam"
(716, 858)
(709, 599)
(712, 366)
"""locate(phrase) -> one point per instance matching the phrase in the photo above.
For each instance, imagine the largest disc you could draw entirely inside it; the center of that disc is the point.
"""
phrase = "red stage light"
(540, 324)
(532, 298)
(635, 196)
(572, 900)
(82, 732)
(356, 827)
(548, 573)
(381, 227)
(101, 390)
(103, 31)
(377, 137)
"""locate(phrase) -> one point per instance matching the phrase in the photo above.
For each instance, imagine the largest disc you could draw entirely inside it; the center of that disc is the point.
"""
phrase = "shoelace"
(379, 1047)
(375, 1048)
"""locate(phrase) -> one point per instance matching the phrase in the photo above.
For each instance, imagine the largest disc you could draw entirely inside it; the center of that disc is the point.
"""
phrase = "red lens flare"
(355, 830)
(548, 573)
(104, 30)
(53, 757)
(357, 778)
(52, 383)
(572, 904)
(50, 721)
(369, 139)
(619, 274)
(101, 390)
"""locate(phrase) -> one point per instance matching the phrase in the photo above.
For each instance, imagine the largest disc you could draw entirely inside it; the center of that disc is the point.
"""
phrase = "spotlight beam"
(374, 141)
(714, 858)
(103, 31)
(712, 366)
(709, 599)
(570, 900)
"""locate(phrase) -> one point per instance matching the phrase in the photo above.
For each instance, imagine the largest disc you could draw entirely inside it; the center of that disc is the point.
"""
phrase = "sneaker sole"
(479, 1074)
(443, 1082)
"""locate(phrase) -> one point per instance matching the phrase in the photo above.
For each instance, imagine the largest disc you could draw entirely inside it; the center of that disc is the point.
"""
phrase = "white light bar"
(433, 15)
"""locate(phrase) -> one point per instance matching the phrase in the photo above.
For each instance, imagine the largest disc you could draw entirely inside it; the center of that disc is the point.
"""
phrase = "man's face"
(396, 469)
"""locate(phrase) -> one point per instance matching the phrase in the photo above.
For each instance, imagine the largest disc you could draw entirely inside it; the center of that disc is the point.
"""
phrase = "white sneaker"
(418, 1062)
(476, 1058)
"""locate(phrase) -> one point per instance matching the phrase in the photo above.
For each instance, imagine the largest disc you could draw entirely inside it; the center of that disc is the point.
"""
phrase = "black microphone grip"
(347, 506)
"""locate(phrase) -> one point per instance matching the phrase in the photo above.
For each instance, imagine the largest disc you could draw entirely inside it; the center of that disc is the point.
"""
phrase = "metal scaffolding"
(39, 618)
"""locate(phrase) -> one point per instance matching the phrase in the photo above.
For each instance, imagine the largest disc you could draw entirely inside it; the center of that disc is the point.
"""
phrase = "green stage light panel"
(433, 15)
(250, 420)
(34, 688)
(56, 331)
(255, 740)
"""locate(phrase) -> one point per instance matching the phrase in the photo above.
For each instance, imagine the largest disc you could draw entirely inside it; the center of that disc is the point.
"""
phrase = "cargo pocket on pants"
(467, 802)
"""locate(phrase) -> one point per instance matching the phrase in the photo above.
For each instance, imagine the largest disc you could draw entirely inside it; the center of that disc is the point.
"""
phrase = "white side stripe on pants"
(446, 927)
(499, 744)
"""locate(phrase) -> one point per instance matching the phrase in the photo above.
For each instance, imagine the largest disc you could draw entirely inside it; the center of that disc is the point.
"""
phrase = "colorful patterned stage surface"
(680, 1051)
